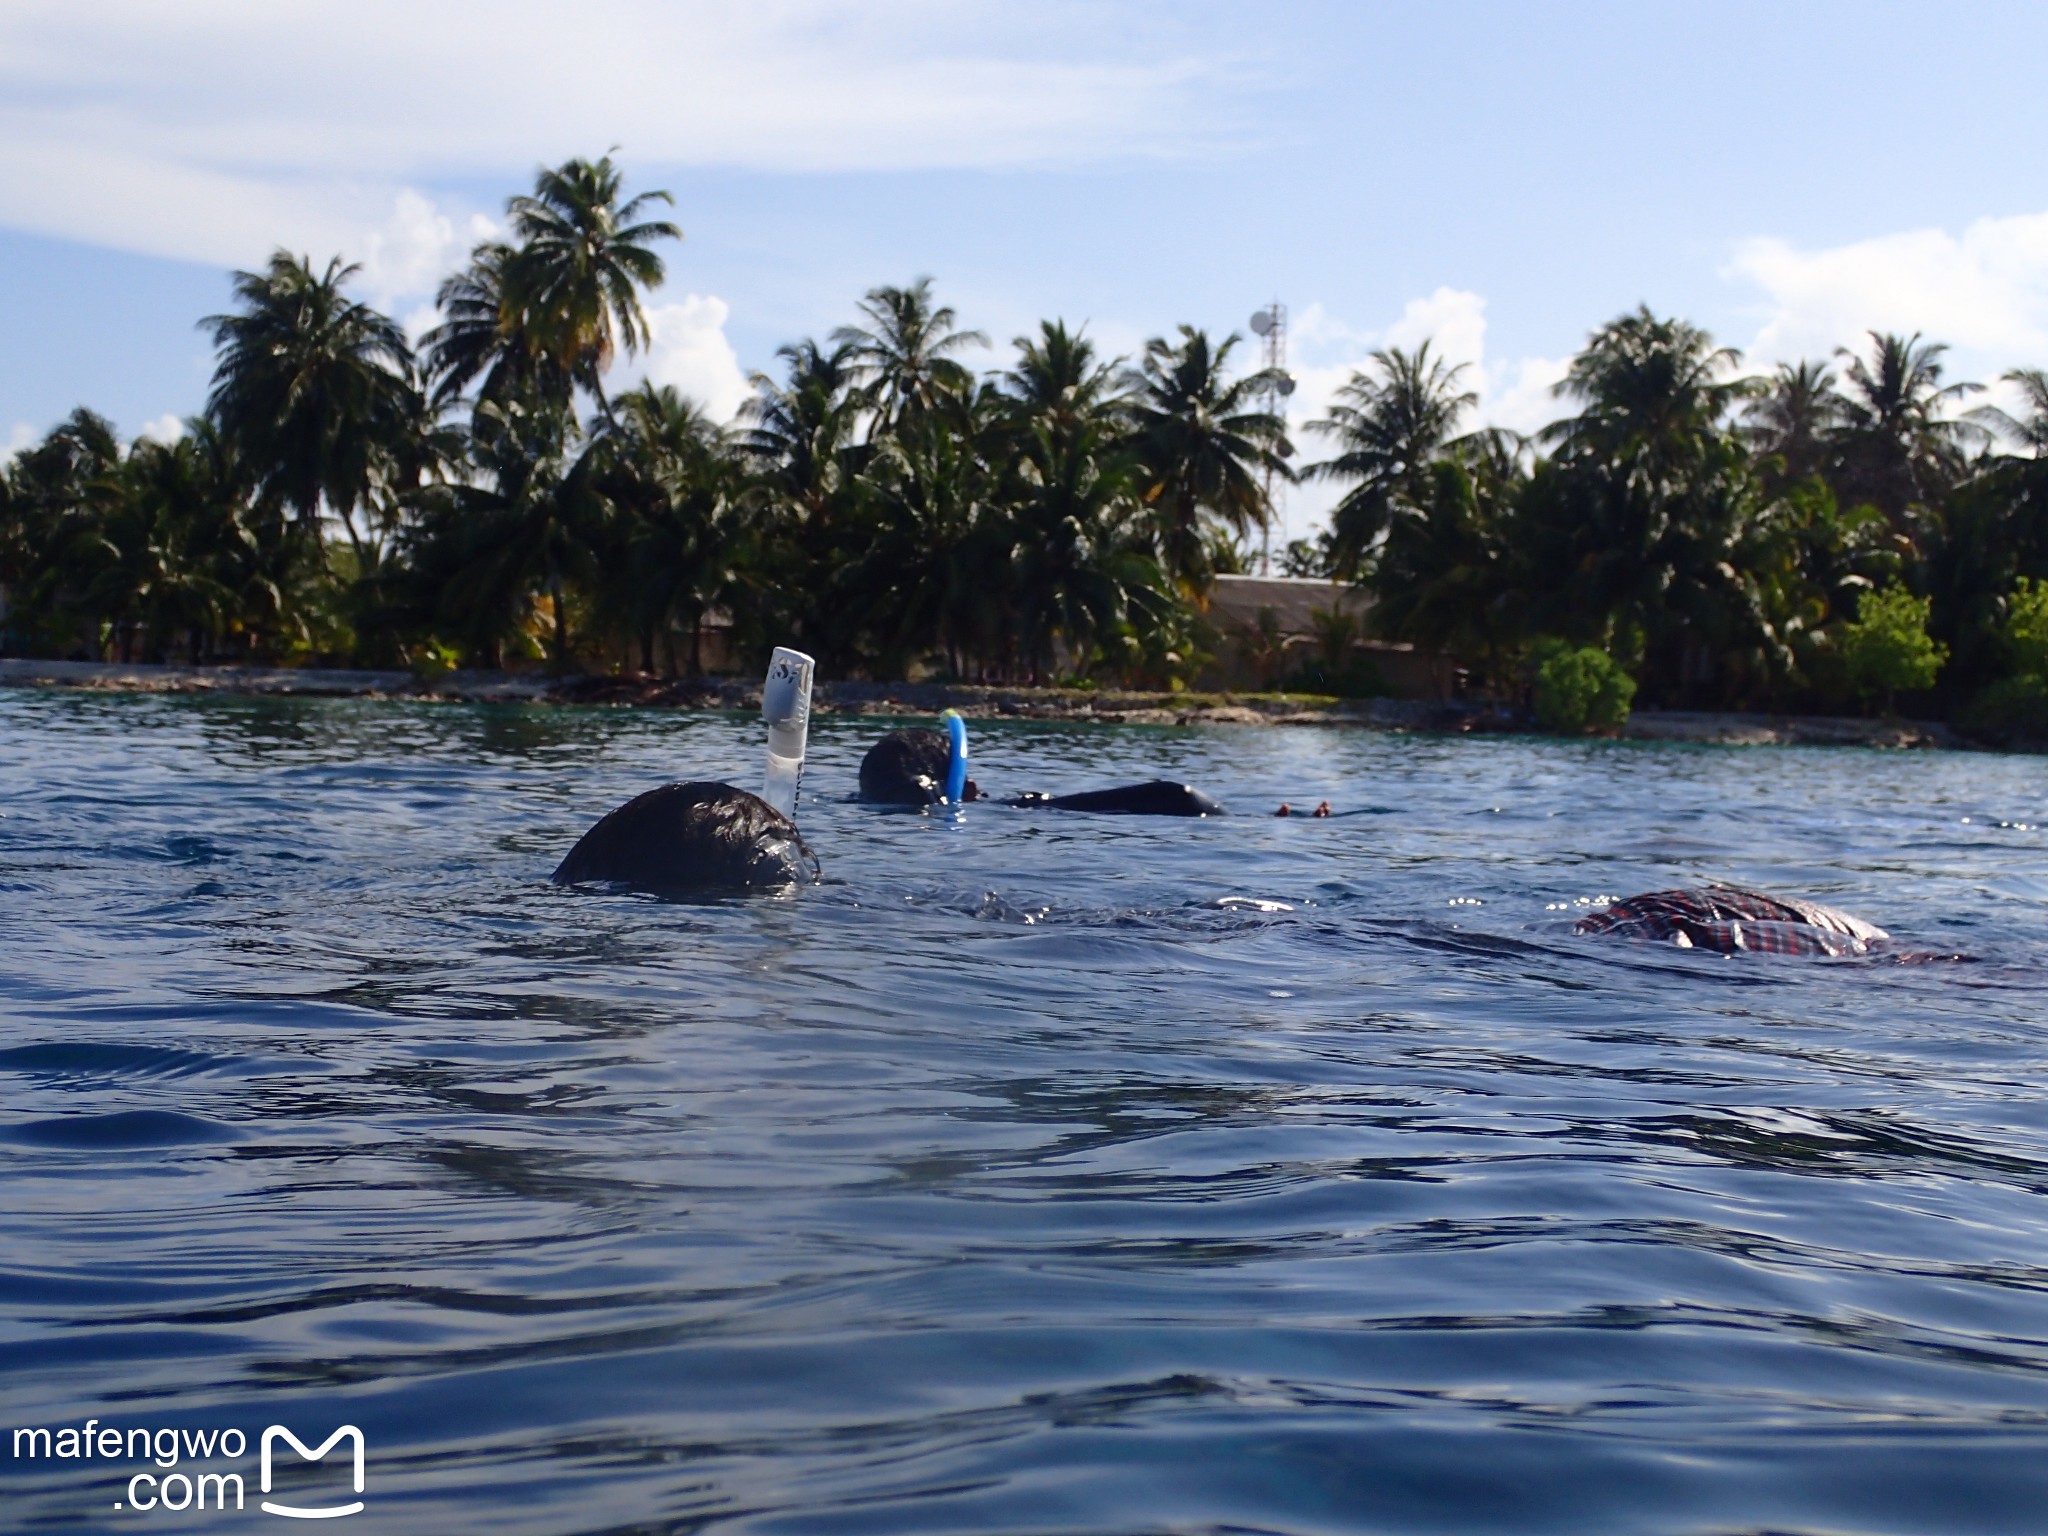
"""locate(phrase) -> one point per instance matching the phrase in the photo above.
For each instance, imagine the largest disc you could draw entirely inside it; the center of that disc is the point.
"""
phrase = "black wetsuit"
(1159, 797)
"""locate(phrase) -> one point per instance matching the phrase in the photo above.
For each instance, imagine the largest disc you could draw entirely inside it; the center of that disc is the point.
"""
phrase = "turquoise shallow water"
(1034, 1174)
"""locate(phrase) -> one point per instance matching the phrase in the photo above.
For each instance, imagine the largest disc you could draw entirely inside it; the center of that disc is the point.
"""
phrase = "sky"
(1498, 178)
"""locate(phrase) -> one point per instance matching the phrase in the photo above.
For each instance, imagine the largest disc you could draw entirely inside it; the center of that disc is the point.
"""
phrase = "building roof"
(1235, 601)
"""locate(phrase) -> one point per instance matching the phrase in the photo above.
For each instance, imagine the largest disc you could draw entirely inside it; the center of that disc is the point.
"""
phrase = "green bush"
(1888, 648)
(2026, 628)
(1580, 689)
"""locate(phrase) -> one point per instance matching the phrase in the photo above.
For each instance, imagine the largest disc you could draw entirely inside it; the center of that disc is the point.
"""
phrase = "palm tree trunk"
(561, 615)
(311, 516)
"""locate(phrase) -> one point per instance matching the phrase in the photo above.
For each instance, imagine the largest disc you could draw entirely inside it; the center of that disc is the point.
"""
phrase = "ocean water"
(1035, 1173)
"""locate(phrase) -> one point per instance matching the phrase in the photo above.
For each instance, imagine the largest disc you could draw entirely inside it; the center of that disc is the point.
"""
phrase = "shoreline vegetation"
(892, 701)
(1853, 535)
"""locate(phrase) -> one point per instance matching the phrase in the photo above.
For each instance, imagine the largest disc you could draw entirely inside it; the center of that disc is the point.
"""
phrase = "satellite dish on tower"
(1285, 384)
(1262, 323)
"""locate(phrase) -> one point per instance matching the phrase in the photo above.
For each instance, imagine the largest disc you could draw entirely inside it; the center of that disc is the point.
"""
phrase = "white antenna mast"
(1270, 326)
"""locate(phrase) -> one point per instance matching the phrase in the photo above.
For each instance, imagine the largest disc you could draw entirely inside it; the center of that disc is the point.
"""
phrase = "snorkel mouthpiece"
(786, 709)
(956, 757)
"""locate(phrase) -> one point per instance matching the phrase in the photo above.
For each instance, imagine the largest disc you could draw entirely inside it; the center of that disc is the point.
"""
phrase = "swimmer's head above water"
(695, 836)
(914, 767)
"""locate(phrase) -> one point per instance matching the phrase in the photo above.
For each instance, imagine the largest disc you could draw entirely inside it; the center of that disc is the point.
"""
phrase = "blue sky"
(1500, 177)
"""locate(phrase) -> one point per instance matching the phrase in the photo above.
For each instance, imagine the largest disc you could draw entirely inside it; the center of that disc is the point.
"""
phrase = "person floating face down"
(1727, 920)
(912, 767)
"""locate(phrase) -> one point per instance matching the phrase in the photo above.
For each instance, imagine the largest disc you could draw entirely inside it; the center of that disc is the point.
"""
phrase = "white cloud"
(214, 130)
(689, 351)
(23, 436)
(167, 428)
(410, 254)
(1512, 392)
(1521, 394)
(1984, 291)
(1325, 351)
(1451, 320)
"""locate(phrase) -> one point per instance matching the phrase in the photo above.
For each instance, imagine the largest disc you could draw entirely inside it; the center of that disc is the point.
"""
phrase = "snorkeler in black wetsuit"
(700, 836)
(909, 768)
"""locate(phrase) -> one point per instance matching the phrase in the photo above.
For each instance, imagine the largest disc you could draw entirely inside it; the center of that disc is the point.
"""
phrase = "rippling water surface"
(1035, 1173)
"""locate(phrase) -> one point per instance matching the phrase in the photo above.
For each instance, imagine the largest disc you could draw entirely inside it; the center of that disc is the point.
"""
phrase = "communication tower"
(1270, 326)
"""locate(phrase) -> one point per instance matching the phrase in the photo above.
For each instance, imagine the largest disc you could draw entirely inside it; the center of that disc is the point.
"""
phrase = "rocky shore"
(1107, 707)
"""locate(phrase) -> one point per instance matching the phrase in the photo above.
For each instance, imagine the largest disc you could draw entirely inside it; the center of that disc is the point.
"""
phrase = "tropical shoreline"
(1831, 536)
(977, 701)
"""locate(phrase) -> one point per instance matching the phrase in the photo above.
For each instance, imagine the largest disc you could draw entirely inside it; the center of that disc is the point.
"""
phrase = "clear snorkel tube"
(956, 756)
(786, 708)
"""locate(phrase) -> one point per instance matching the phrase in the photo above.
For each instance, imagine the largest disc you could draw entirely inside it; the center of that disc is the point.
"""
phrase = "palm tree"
(1627, 538)
(2030, 430)
(670, 484)
(931, 575)
(1993, 532)
(903, 355)
(55, 538)
(573, 284)
(1078, 569)
(798, 439)
(1058, 379)
(1646, 387)
(1392, 420)
(197, 565)
(798, 432)
(485, 335)
(1796, 419)
(1205, 449)
(314, 390)
(1442, 578)
(1900, 450)
(523, 522)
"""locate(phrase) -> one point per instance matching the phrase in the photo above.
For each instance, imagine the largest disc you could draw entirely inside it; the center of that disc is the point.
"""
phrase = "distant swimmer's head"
(912, 768)
(695, 836)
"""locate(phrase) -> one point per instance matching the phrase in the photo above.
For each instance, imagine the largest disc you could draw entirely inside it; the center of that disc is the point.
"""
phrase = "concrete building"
(1272, 627)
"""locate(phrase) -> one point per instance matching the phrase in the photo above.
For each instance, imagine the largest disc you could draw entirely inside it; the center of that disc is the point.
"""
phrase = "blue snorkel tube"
(956, 756)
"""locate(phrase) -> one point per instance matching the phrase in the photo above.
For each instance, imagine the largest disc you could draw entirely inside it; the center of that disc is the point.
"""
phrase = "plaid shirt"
(1731, 921)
